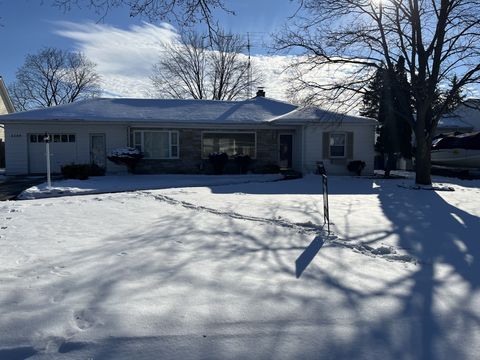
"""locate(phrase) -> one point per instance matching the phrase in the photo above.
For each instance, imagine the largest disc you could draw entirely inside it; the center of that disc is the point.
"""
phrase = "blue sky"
(29, 25)
(126, 48)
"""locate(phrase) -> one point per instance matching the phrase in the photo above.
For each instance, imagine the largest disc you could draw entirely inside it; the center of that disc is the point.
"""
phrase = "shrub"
(218, 160)
(127, 156)
(242, 162)
(356, 166)
(76, 171)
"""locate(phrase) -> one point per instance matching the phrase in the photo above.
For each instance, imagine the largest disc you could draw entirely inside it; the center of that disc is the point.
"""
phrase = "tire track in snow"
(389, 254)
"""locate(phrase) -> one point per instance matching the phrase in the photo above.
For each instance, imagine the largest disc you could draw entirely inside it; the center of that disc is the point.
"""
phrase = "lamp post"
(46, 138)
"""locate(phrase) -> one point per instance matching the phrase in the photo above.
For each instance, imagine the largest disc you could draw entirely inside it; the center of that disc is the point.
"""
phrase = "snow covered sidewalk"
(212, 273)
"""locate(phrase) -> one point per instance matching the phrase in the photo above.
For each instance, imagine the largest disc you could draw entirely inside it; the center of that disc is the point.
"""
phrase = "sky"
(125, 48)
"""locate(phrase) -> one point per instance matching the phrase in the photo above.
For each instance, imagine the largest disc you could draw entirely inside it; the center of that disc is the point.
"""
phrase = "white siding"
(16, 147)
(363, 147)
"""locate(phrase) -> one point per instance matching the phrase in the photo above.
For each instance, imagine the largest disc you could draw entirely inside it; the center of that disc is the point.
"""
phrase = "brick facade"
(191, 162)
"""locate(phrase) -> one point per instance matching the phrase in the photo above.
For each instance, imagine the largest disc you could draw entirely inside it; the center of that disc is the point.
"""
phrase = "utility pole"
(249, 73)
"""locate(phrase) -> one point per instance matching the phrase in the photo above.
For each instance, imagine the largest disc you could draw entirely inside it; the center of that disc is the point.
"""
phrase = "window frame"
(60, 136)
(229, 132)
(170, 143)
(345, 145)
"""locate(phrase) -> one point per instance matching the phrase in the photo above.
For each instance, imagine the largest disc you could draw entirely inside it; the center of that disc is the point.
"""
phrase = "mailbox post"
(46, 138)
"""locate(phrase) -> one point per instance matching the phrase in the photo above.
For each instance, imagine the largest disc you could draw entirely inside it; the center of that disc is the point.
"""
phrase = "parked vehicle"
(458, 150)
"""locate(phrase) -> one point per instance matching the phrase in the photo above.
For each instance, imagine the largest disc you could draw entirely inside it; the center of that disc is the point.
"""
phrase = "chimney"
(260, 92)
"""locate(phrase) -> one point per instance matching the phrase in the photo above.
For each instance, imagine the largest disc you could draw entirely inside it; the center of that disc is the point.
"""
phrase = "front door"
(98, 154)
(286, 149)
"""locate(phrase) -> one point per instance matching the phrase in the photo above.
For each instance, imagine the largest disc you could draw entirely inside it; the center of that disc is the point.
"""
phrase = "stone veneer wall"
(191, 162)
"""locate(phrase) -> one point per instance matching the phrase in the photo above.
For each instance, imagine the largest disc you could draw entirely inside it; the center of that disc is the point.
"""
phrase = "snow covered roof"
(465, 116)
(313, 114)
(253, 110)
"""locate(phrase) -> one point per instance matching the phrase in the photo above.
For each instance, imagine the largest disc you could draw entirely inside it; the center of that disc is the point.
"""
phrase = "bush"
(218, 160)
(356, 166)
(81, 171)
(242, 162)
(127, 156)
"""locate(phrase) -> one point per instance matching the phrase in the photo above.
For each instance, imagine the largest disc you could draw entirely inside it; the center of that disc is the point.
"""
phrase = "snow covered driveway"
(210, 273)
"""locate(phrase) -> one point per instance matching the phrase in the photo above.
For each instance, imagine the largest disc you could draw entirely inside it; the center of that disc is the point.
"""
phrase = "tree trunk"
(423, 162)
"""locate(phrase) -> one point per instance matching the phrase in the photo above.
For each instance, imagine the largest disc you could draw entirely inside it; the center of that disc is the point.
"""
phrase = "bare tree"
(434, 39)
(231, 73)
(54, 77)
(182, 12)
(200, 69)
(182, 70)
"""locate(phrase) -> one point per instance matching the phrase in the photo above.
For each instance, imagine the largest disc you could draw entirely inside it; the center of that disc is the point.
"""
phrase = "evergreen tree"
(387, 100)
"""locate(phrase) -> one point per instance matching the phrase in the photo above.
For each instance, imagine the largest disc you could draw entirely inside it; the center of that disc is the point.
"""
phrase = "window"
(337, 145)
(156, 144)
(230, 143)
(64, 138)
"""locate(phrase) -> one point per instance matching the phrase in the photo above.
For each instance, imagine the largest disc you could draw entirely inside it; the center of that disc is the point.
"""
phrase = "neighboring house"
(6, 107)
(176, 136)
(465, 118)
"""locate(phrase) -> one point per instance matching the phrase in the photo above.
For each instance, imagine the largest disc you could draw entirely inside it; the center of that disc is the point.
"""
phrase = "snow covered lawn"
(103, 184)
(244, 271)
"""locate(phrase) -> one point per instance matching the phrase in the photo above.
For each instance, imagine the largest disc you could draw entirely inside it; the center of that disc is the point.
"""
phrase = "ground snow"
(243, 271)
(105, 184)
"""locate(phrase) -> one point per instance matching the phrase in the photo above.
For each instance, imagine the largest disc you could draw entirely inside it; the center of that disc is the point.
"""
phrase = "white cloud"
(125, 57)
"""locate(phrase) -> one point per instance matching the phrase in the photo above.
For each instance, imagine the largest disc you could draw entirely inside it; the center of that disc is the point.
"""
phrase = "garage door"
(63, 151)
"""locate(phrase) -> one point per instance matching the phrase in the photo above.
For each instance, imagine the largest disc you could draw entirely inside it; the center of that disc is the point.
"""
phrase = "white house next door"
(98, 153)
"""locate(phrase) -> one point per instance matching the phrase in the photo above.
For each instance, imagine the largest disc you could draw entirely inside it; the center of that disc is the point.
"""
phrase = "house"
(465, 118)
(176, 136)
(6, 107)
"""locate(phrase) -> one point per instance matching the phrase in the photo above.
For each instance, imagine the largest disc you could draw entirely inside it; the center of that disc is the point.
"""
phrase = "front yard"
(243, 271)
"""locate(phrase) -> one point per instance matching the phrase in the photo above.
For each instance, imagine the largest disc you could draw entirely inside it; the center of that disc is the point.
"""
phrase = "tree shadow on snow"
(237, 273)
(309, 185)
(437, 234)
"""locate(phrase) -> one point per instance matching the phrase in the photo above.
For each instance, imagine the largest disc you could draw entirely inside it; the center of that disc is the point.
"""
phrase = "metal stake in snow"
(46, 138)
(326, 212)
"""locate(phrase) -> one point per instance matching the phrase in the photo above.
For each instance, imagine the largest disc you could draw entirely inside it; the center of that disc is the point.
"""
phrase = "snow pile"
(243, 271)
(125, 152)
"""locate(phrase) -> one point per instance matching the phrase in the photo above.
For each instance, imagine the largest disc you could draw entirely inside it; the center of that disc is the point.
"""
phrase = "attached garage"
(63, 150)
(84, 143)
